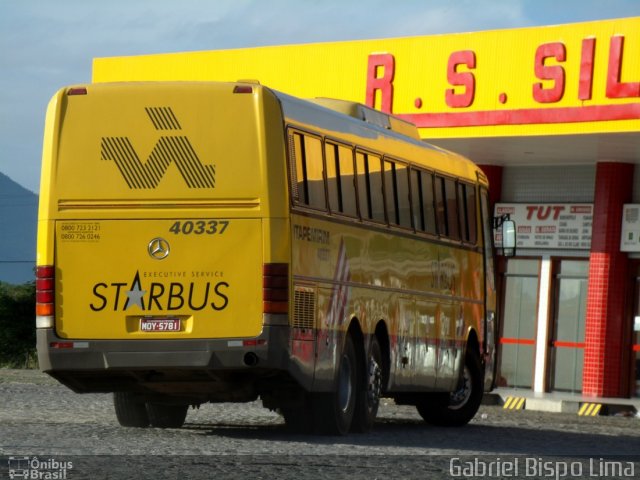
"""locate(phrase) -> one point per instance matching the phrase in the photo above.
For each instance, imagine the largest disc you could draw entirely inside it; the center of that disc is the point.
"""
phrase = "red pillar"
(603, 365)
(494, 175)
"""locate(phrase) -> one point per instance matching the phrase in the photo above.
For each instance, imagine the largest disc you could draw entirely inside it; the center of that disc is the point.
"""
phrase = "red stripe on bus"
(636, 348)
(525, 116)
(568, 344)
(518, 341)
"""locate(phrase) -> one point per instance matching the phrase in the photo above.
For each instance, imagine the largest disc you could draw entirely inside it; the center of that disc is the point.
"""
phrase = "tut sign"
(630, 237)
(549, 225)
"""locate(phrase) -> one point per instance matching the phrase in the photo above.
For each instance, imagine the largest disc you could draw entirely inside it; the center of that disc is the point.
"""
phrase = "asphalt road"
(47, 429)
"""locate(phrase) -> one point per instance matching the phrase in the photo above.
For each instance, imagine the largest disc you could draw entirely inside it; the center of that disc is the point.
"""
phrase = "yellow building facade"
(552, 114)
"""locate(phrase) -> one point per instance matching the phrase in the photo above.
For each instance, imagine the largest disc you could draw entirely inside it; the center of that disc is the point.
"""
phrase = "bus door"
(490, 296)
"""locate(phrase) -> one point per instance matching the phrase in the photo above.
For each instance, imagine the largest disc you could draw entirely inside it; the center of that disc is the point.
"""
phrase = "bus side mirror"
(509, 238)
(508, 234)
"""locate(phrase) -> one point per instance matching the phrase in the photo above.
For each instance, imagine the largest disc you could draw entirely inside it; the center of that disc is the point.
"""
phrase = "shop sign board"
(560, 226)
(560, 79)
(630, 236)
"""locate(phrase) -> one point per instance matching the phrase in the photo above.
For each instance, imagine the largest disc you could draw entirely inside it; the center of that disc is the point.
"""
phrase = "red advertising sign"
(549, 225)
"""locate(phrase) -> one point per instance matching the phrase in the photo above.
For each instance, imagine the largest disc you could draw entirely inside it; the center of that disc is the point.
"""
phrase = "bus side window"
(307, 178)
(453, 224)
(347, 181)
(429, 203)
(333, 177)
(471, 212)
(416, 201)
(370, 195)
(390, 192)
(402, 185)
(375, 184)
(396, 185)
(441, 208)
(424, 215)
(462, 212)
(364, 204)
(314, 177)
(467, 209)
(298, 190)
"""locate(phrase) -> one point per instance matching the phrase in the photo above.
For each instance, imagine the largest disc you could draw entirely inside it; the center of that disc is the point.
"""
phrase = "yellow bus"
(224, 242)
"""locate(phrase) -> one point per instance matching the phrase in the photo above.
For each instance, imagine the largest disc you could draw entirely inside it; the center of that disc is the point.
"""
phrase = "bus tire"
(166, 416)
(370, 389)
(130, 412)
(333, 412)
(457, 408)
(298, 419)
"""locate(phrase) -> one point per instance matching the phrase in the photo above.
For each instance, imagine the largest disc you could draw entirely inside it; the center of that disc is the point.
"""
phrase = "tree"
(17, 324)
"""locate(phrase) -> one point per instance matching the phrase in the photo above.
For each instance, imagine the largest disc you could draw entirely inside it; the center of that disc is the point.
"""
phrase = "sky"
(47, 44)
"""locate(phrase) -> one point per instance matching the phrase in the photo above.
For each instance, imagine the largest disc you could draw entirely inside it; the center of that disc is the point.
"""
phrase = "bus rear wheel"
(458, 407)
(333, 412)
(369, 391)
(167, 416)
(298, 419)
(130, 411)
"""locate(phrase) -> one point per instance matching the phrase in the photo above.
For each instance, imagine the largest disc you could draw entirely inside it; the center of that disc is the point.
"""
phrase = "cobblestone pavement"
(40, 418)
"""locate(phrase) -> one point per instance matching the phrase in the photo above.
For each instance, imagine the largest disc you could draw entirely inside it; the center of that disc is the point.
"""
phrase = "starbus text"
(121, 296)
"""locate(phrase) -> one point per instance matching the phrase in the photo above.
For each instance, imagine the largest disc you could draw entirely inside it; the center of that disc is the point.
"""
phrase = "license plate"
(160, 324)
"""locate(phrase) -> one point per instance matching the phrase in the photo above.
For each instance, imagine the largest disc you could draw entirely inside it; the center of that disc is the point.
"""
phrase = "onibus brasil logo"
(169, 149)
(37, 468)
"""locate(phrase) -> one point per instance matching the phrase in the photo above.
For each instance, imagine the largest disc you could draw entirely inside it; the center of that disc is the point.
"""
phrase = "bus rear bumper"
(194, 365)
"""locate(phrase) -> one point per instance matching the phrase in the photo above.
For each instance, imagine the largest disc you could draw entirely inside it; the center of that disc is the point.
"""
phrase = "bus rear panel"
(155, 240)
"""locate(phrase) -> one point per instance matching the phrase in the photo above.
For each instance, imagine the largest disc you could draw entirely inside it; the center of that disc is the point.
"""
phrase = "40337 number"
(199, 227)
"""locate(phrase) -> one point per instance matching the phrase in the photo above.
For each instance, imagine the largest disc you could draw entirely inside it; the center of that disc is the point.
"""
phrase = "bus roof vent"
(369, 115)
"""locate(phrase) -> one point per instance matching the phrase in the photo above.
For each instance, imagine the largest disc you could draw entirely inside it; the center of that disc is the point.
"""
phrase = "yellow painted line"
(590, 409)
(514, 403)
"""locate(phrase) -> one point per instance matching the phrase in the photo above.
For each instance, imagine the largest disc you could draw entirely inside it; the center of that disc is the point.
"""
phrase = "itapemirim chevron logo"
(169, 149)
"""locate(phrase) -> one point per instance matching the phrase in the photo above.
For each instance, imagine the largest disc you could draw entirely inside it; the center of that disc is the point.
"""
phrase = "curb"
(552, 405)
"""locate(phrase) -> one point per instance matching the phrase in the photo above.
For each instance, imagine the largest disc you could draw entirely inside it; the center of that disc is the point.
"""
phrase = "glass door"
(635, 337)
(567, 337)
(518, 329)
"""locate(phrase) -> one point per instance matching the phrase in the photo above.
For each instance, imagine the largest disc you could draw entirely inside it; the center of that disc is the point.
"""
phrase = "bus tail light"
(243, 89)
(77, 91)
(275, 288)
(45, 296)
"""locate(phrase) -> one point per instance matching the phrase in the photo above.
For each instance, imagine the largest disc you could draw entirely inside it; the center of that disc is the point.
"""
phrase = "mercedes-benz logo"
(158, 248)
